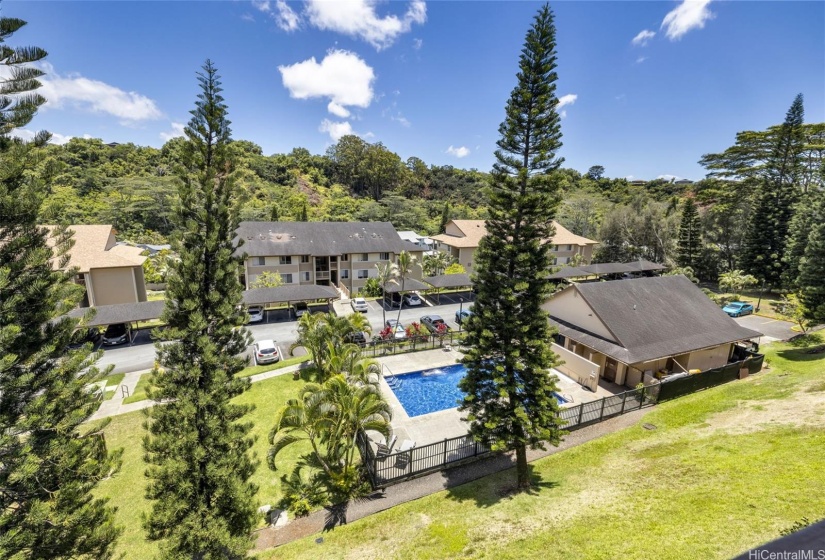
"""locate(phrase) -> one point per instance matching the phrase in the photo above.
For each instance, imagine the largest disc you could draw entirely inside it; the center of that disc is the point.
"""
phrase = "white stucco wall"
(569, 306)
(577, 367)
(710, 358)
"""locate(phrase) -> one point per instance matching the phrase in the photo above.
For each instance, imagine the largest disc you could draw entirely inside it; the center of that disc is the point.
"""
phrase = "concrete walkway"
(414, 489)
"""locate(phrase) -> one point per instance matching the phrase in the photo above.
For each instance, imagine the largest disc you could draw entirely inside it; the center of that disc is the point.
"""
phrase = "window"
(345, 273)
(305, 258)
(344, 258)
(286, 260)
(260, 261)
(287, 278)
(555, 261)
(363, 274)
(555, 247)
(384, 256)
(306, 276)
(569, 247)
(365, 257)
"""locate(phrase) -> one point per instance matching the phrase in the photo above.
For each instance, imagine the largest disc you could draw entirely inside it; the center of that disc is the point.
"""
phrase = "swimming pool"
(431, 390)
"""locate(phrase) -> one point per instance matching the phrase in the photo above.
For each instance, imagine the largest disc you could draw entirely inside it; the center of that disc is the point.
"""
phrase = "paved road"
(773, 328)
(140, 354)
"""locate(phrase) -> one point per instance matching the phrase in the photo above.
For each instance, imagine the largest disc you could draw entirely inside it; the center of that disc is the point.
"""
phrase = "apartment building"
(461, 237)
(339, 254)
(109, 272)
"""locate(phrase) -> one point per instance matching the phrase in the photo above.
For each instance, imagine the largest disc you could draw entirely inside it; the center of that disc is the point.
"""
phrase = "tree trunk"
(522, 469)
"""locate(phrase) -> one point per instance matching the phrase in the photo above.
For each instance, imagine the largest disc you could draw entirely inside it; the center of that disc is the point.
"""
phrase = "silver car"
(359, 304)
(265, 352)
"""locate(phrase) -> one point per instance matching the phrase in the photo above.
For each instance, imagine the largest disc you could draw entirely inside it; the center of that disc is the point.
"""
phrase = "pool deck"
(445, 424)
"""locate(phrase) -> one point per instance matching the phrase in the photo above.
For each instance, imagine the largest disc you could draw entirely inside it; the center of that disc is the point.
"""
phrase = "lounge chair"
(403, 459)
(385, 448)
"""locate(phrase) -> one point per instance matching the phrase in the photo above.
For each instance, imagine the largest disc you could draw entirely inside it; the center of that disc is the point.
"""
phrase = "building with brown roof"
(109, 272)
(461, 237)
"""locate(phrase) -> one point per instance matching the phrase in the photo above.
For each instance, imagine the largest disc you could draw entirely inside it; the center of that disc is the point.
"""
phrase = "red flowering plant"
(416, 332)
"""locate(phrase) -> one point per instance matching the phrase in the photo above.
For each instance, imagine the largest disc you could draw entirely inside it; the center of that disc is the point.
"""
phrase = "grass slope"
(126, 488)
(725, 470)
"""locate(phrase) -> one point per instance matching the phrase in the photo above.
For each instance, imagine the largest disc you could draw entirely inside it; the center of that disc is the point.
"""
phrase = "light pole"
(460, 310)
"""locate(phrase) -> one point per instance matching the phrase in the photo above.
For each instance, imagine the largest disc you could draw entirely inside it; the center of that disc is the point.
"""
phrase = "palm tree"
(405, 265)
(736, 281)
(387, 272)
(322, 334)
(329, 416)
(436, 263)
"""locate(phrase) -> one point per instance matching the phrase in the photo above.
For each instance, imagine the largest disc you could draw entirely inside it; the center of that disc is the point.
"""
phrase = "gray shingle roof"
(569, 272)
(410, 285)
(609, 268)
(449, 281)
(121, 313)
(654, 318)
(285, 294)
(644, 266)
(275, 239)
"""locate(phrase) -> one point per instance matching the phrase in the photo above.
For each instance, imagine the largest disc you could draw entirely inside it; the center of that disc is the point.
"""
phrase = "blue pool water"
(431, 390)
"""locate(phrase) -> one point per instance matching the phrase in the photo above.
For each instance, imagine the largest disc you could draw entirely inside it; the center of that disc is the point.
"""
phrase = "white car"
(412, 300)
(256, 313)
(360, 304)
(265, 352)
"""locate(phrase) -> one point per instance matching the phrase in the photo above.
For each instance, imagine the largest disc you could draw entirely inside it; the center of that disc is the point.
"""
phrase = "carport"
(448, 281)
(129, 313)
(410, 285)
(289, 295)
(569, 272)
(606, 269)
(646, 266)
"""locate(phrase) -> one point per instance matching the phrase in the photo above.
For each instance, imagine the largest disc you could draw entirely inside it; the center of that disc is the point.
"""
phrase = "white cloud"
(641, 59)
(96, 96)
(418, 43)
(402, 120)
(641, 39)
(669, 177)
(568, 99)
(335, 129)
(358, 18)
(286, 17)
(460, 152)
(177, 131)
(338, 110)
(689, 15)
(57, 138)
(342, 77)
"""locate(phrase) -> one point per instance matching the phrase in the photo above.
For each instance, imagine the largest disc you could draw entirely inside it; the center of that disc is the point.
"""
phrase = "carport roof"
(645, 266)
(449, 281)
(285, 294)
(121, 313)
(569, 272)
(609, 268)
(410, 285)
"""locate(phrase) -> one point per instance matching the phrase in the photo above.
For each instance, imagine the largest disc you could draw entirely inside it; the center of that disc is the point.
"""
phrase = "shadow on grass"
(493, 488)
(806, 340)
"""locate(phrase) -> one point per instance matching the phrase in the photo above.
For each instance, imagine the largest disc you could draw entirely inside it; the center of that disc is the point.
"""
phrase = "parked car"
(463, 314)
(256, 313)
(265, 352)
(299, 308)
(119, 333)
(433, 322)
(398, 330)
(358, 338)
(412, 300)
(85, 336)
(360, 304)
(738, 308)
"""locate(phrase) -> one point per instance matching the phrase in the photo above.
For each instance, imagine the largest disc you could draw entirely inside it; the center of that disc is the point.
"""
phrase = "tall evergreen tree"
(197, 447)
(690, 235)
(49, 461)
(764, 246)
(303, 217)
(445, 217)
(808, 212)
(509, 391)
(811, 278)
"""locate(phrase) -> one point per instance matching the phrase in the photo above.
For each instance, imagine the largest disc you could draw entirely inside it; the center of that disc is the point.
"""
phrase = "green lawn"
(724, 470)
(126, 489)
(139, 393)
(112, 381)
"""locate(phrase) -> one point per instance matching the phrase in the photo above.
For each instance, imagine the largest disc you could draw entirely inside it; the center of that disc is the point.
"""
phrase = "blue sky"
(647, 87)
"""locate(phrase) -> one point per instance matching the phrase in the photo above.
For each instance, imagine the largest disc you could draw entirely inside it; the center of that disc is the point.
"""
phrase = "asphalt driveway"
(772, 328)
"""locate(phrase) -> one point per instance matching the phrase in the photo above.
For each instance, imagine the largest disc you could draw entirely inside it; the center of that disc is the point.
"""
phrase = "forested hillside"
(133, 188)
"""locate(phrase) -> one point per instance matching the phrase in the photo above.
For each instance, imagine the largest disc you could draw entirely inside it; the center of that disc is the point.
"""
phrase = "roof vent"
(249, 237)
(261, 235)
(278, 236)
(292, 237)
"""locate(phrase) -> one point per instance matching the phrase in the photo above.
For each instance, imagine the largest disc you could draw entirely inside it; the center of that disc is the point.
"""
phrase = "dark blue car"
(738, 308)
